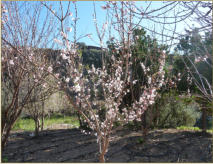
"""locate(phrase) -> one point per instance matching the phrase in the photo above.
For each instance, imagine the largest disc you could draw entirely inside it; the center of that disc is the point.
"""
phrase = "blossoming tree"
(83, 86)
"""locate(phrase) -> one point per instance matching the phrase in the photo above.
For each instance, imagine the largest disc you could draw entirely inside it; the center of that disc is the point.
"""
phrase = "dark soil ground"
(70, 145)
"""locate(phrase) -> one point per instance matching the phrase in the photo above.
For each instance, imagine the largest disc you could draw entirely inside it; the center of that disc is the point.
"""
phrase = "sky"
(86, 24)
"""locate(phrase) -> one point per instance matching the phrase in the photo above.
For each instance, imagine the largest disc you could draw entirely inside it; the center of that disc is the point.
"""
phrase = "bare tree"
(201, 12)
(23, 33)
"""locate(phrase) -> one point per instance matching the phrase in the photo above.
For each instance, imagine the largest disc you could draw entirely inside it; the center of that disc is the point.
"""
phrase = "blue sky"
(86, 24)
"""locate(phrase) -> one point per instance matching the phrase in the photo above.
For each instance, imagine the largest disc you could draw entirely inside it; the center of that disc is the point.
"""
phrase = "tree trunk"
(3, 121)
(144, 125)
(101, 158)
(156, 116)
(104, 147)
(42, 116)
(42, 121)
(150, 118)
(7, 133)
(8, 126)
(37, 126)
(204, 120)
(5, 137)
(79, 119)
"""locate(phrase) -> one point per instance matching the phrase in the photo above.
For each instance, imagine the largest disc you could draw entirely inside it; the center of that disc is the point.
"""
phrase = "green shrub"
(170, 111)
(174, 112)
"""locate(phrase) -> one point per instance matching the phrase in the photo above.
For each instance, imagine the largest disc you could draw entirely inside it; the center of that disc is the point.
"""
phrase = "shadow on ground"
(70, 145)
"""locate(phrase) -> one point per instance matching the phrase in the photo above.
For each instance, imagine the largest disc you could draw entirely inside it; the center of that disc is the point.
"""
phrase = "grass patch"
(24, 124)
(73, 120)
(188, 128)
(192, 128)
(29, 125)
(210, 131)
(4, 159)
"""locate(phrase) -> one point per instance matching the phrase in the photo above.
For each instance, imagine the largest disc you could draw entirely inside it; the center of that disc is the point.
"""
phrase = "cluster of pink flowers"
(199, 59)
(149, 93)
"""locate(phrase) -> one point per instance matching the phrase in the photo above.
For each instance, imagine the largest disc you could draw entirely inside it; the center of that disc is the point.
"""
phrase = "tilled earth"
(70, 145)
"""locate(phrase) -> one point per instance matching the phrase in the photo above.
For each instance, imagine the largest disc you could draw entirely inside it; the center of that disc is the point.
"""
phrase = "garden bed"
(70, 145)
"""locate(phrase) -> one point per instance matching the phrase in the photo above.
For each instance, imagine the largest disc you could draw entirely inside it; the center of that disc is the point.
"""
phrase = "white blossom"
(58, 41)
(151, 102)
(69, 29)
(134, 9)
(64, 56)
(50, 69)
(30, 58)
(57, 75)
(149, 80)
(44, 85)
(67, 80)
(74, 19)
(77, 88)
(63, 34)
(11, 62)
(89, 36)
(143, 66)
(70, 14)
(73, 51)
(76, 79)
